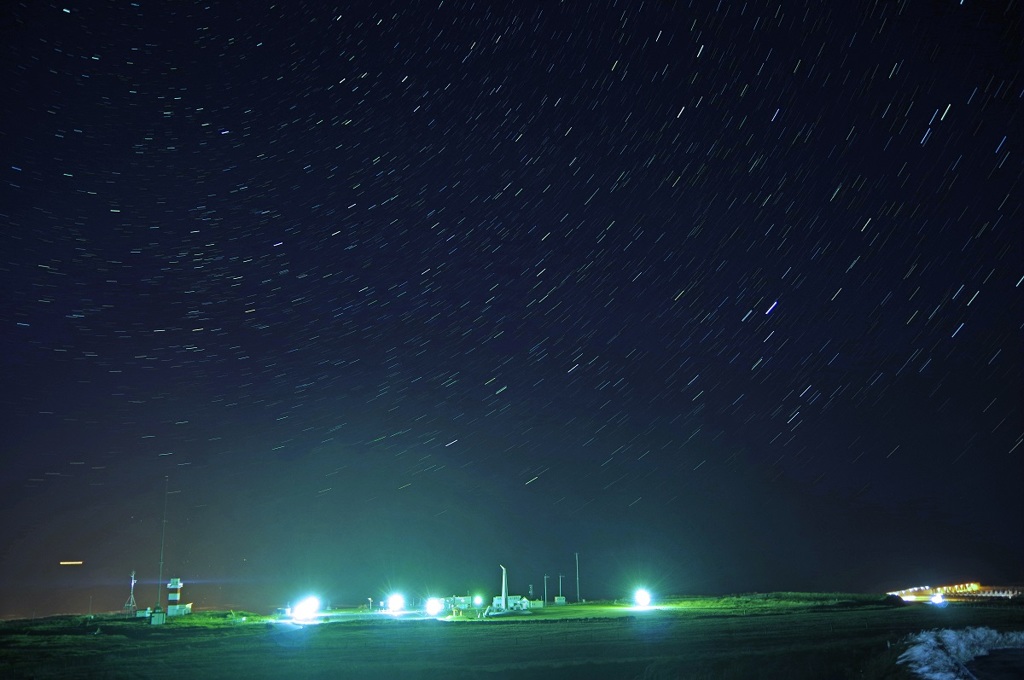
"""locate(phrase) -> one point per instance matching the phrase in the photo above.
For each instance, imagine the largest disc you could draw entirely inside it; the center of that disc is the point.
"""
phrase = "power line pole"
(560, 585)
(545, 588)
(577, 578)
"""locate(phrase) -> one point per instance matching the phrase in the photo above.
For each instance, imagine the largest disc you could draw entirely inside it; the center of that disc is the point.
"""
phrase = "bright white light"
(478, 601)
(434, 606)
(937, 598)
(307, 609)
(642, 598)
(396, 603)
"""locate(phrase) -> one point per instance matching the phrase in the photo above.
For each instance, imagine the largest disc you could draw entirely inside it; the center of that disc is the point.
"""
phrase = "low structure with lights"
(458, 605)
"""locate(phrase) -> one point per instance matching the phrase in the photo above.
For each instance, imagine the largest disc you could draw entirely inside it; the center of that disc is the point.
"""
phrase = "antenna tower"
(130, 607)
(163, 533)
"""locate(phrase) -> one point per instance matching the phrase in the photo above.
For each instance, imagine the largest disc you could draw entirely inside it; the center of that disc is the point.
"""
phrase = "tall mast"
(577, 577)
(163, 533)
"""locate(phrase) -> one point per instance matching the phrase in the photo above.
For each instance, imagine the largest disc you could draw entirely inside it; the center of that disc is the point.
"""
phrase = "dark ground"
(700, 638)
(1000, 664)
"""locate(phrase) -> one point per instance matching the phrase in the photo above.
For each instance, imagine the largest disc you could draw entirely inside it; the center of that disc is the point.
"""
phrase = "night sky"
(723, 296)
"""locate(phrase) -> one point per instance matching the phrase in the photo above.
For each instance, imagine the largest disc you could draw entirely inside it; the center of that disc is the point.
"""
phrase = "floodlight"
(937, 599)
(642, 598)
(478, 601)
(396, 603)
(307, 609)
(434, 606)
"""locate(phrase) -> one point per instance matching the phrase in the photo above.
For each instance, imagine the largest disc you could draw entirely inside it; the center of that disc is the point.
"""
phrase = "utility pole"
(163, 533)
(545, 588)
(560, 585)
(577, 578)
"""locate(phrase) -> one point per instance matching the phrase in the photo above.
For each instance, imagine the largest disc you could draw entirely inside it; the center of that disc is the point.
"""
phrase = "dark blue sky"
(724, 297)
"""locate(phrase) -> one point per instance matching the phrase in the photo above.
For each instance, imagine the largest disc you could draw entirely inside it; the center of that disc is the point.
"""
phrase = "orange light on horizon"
(66, 563)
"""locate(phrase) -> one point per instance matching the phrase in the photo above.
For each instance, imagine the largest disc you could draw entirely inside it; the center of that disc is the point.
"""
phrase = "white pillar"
(504, 588)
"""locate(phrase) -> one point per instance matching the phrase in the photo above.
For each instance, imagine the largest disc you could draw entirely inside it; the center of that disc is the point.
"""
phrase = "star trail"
(727, 295)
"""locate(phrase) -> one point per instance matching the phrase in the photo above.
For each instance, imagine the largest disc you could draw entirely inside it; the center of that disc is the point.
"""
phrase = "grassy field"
(776, 635)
